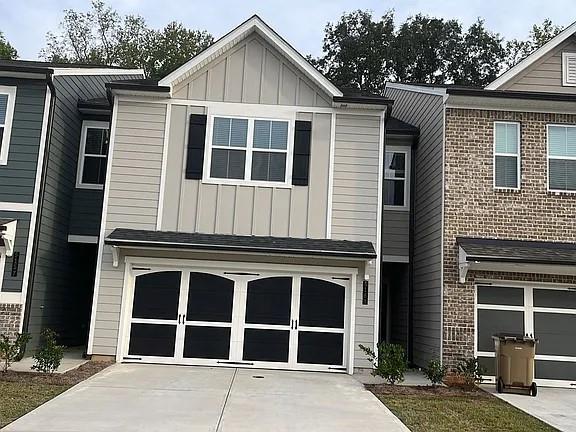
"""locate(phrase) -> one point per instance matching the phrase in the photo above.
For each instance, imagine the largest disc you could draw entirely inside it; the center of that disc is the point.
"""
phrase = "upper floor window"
(93, 155)
(7, 99)
(507, 155)
(562, 158)
(569, 69)
(396, 178)
(250, 150)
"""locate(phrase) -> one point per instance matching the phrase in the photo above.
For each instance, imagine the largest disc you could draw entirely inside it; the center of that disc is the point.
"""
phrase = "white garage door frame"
(528, 310)
(136, 265)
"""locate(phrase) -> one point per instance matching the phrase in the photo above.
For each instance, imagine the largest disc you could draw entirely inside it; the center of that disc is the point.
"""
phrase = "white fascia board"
(532, 58)
(239, 34)
(96, 71)
(436, 91)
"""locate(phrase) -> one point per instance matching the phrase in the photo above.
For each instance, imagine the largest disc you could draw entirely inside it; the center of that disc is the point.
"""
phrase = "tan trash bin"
(515, 363)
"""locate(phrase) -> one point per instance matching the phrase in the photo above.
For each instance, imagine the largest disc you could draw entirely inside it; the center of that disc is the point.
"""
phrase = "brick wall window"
(562, 158)
(506, 155)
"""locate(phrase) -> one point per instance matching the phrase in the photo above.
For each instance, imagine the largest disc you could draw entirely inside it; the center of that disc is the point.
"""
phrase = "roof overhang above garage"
(324, 248)
(8, 235)
(518, 256)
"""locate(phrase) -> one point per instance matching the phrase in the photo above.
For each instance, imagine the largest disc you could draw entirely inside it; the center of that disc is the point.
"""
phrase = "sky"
(301, 22)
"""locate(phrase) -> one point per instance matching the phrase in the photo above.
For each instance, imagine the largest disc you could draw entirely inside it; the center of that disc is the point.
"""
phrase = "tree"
(7, 51)
(357, 51)
(518, 50)
(102, 36)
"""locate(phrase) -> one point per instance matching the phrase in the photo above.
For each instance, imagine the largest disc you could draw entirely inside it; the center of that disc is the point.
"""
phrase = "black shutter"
(301, 164)
(196, 142)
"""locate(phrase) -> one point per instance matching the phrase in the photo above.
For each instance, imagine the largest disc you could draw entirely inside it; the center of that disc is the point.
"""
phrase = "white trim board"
(253, 24)
(165, 145)
(396, 259)
(17, 207)
(381, 150)
(96, 71)
(72, 238)
(532, 58)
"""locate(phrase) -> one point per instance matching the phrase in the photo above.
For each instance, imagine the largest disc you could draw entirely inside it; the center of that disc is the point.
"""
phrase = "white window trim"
(11, 92)
(249, 149)
(548, 157)
(565, 57)
(407, 153)
(88, 124)
(2, 265)
(517, 155)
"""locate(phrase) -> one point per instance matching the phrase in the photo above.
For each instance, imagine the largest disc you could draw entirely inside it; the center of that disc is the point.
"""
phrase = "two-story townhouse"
(494, 242)
(53, 138)
(242, 213)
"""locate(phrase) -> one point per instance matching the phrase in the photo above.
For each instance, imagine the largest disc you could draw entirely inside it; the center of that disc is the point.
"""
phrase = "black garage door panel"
(269, 301)
(555, 370)
(266, 345)
(152, 340)
(210, 298)
(207, 342)
(497, 321)
(320, 348)
(321, 303)
(494, 295)
(156, 295)
(555, 299)
(556, 334)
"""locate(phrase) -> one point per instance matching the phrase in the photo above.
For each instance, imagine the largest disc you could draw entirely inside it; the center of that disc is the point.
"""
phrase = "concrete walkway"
(73, 358)
(555, 406)
(179, 398)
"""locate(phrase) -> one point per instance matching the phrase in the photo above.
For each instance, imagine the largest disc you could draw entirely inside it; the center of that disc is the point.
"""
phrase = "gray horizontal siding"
(396, 233)
(17, 178)
(86, 212)
(14, 283)
(426, 112)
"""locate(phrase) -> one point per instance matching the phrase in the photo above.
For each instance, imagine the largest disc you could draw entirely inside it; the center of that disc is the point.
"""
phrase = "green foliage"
(435, 371)
(362, 52)
(50, 354)
(390, 362)
(102, 36)
(470, 370)
(11, 349)
(7, 51)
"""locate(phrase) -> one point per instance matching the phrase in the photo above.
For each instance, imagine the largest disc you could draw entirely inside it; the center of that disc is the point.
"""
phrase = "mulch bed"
(69, 378)
(386, 389)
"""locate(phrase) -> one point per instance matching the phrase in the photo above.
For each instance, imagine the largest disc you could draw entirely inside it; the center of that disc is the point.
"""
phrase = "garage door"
(547, 313)
(271, 320)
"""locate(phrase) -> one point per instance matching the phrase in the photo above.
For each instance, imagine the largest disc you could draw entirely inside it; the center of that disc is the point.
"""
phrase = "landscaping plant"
(470, 371)
(435, 371)
(50, 354)
(390, 362)
(11, 349)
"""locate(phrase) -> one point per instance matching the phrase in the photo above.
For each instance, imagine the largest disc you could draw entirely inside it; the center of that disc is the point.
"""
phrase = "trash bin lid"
(514, 337)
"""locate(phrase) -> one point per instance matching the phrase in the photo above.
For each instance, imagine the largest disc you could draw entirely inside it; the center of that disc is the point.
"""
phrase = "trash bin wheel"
(500, 385)
(533, 389)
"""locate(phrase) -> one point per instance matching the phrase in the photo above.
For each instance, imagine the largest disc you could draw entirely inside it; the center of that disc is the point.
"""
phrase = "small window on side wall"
(562, 158)
(569, 69)
(397, 178)
(506, 155)
(93, 155)
(7, 102)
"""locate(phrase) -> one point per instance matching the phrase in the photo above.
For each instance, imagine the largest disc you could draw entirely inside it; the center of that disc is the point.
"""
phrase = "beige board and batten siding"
(197, 206)
(252, 72)
(546, 74)
(355, 206)
(132, 203)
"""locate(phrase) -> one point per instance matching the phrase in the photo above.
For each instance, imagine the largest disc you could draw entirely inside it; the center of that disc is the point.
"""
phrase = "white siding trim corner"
(379, 228)
(331, 176)
(164, 167)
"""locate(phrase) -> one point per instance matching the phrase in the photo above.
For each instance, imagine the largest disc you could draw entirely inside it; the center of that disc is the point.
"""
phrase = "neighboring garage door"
(271, 320)
(547, 313)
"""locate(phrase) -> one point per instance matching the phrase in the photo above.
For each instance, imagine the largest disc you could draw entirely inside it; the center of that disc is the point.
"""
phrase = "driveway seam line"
(226, 400)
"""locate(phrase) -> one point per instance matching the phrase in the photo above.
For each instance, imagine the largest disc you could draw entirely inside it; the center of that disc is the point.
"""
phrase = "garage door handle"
(179, 315)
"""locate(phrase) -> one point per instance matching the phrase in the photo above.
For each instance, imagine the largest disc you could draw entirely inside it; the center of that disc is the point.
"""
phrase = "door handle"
(295, 324)
(291, 324)
(179, 315)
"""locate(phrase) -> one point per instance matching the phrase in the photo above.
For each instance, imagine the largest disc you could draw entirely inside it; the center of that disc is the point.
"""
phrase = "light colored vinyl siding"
(132, 203)
(18, 175)
(355, 205)
(253, 72)
(60, 280)
(299, 211)
(14, 283)
(546, 74)
(426, 112)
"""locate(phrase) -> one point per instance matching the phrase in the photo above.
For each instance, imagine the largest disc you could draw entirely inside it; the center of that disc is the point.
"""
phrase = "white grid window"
(249, 150)
(506, 155)
(562, 158)
(93, 155)
(396, 178)
(7, 102)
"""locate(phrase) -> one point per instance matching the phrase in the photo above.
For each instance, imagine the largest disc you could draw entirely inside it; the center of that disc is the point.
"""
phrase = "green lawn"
(436, 413)
(18, 398)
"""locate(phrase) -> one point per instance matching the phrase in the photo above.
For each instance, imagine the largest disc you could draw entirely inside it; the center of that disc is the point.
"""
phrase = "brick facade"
(473, 208)
(10, 318)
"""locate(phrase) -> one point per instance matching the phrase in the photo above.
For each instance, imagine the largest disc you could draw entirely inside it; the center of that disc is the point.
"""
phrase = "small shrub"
(390, 362)
(470, 371)
(50, 354)
(12, 349)
(435, 371)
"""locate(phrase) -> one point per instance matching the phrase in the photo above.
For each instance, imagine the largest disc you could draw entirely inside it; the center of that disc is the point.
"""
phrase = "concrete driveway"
(555, 406)
(179, 398)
